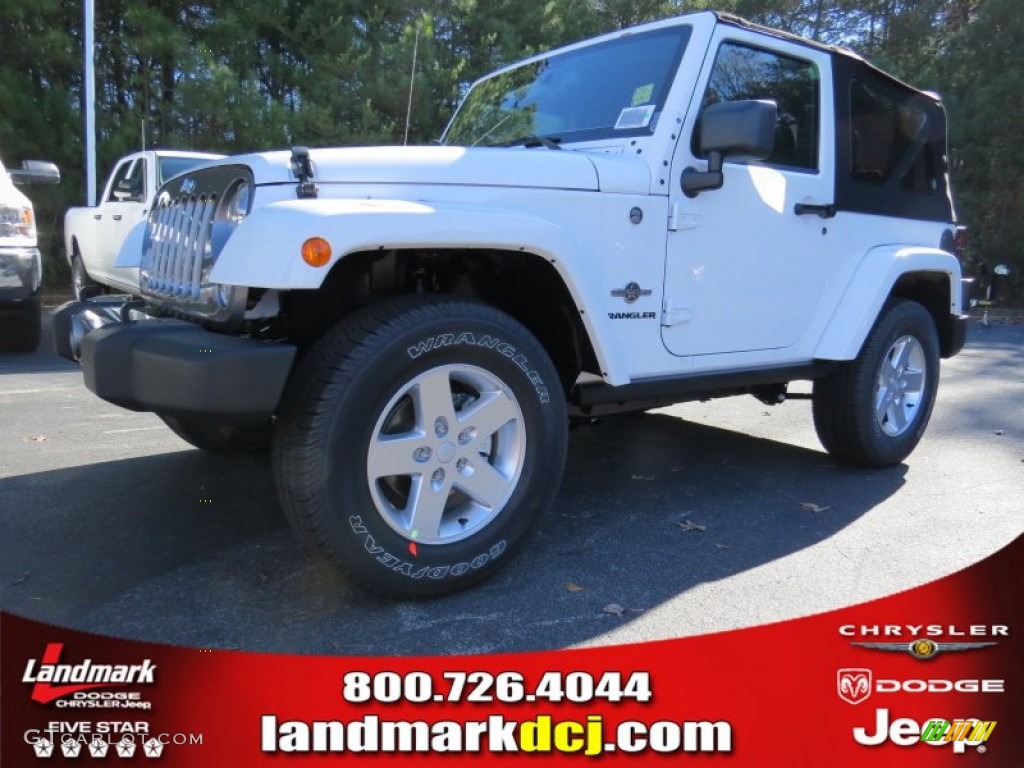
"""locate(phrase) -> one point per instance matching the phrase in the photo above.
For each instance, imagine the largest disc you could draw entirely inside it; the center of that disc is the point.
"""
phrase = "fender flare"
(869, 288)
(352, 226)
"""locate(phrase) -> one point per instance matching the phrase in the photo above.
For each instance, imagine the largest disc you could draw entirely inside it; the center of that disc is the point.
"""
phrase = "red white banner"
(930, 677)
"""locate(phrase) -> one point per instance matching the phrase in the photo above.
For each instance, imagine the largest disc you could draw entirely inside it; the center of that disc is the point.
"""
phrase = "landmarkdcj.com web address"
(589, 736)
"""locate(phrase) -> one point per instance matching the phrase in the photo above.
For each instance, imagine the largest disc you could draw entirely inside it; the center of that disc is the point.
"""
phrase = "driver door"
(744, 270)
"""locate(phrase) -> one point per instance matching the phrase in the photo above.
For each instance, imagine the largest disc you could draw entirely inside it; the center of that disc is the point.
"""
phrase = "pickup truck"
(93, 236)
(21, 267)
(693, 208)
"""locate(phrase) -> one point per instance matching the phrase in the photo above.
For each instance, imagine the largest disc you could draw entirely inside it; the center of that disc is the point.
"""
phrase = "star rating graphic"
(71, 748)
(125, 748)
(98, 747)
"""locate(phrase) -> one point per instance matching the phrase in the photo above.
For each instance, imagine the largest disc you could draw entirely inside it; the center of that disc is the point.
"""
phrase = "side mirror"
(35, 172)
(732, 128)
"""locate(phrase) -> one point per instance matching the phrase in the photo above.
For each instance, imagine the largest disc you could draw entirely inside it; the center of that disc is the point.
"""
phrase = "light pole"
(89, 105)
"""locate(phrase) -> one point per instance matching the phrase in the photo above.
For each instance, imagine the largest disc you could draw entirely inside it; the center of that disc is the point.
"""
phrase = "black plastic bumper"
(180, 369)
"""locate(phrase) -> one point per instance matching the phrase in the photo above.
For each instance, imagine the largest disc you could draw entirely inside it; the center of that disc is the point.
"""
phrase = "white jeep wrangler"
(689, 209)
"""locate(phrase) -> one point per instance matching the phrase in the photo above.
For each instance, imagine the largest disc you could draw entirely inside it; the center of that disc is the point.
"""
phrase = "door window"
(129, 184)
(742, 72)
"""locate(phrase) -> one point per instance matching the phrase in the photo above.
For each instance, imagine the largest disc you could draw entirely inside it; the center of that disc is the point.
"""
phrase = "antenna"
(143, 134)
(412, 82)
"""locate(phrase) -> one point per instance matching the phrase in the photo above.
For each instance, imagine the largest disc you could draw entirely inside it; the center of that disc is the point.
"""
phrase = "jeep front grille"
(192, 218)
(180, 232)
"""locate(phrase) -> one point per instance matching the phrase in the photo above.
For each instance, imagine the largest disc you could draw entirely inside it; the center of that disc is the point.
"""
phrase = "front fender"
(265, 250)
(869, 288)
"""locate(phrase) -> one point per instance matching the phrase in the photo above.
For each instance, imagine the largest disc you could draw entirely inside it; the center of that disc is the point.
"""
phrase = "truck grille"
(180, 232)
(192, 218)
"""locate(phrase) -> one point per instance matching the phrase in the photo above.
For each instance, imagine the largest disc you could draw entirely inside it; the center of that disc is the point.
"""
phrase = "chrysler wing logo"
(188, 186)
(853, 685)
(923, 648)
(631, 292)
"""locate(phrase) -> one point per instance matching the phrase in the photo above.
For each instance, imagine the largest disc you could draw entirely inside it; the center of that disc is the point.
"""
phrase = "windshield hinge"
(678, 220)
(302, 167)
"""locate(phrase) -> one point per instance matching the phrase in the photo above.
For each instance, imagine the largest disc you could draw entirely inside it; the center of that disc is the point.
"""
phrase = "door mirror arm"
(694, 182)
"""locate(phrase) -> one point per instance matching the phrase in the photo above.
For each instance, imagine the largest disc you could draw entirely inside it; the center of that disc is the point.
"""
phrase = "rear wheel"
(83, 285)
(21, 326)
(221, 438)
(418, 441)
(874, 410)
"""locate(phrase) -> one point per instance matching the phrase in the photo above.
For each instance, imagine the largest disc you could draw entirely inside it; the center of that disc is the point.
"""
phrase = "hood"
(535, 168)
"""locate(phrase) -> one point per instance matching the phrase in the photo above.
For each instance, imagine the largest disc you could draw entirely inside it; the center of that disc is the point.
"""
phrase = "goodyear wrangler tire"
(874, 410)
(417, 442)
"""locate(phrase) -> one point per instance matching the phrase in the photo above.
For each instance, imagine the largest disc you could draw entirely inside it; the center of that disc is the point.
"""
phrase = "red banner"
(930, 677)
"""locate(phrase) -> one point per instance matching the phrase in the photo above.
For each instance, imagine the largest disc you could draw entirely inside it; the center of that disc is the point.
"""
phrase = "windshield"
(608, 90)
(172, 166)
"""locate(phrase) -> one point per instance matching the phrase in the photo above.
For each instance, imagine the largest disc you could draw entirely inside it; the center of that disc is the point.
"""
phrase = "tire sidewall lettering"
(418, 571)
(483, 341)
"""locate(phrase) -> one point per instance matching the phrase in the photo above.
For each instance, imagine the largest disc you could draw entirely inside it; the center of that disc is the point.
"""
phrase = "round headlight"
(237, 202)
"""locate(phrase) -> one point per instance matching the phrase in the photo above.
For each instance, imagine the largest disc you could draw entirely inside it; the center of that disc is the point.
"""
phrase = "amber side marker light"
(316, 252)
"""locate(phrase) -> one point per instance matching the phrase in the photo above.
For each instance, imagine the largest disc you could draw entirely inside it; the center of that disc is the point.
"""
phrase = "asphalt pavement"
(682, 521)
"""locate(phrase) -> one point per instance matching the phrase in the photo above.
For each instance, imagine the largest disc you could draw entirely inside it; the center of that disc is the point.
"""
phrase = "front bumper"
(21, 272)
(177, 368)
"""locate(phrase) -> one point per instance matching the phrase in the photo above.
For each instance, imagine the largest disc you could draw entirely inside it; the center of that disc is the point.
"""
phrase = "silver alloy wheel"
(446, 454)
(901, 386)
(78, 279)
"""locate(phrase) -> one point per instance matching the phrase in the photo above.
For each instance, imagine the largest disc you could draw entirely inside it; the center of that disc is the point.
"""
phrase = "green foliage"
(234, 76)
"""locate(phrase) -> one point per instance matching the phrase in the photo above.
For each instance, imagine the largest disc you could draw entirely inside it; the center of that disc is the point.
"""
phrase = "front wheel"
(418, 441)
(874, 410)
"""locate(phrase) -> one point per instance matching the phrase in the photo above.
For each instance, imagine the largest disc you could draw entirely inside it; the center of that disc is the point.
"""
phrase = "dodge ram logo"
(853, 685)
(631, 292)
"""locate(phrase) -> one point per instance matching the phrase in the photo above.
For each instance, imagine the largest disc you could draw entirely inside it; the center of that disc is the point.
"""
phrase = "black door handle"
(825, 211)
(117, 217)
(97, 216)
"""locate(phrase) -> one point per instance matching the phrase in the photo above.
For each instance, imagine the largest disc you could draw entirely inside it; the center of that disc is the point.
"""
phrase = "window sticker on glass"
(642, 94)
(634, 117)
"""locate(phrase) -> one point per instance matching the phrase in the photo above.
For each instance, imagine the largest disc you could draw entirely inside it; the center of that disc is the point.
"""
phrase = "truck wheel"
(417, 442)
(21, 330)
(83, 285)
(231, 439)
(874, 410)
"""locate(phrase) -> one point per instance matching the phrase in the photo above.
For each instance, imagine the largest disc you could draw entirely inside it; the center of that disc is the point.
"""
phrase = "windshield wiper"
(533, 140)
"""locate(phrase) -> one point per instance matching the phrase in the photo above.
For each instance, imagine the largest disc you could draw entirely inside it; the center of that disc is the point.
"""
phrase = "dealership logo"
(856, 685)
(853, 685)
(52, 680)
(934, 732)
